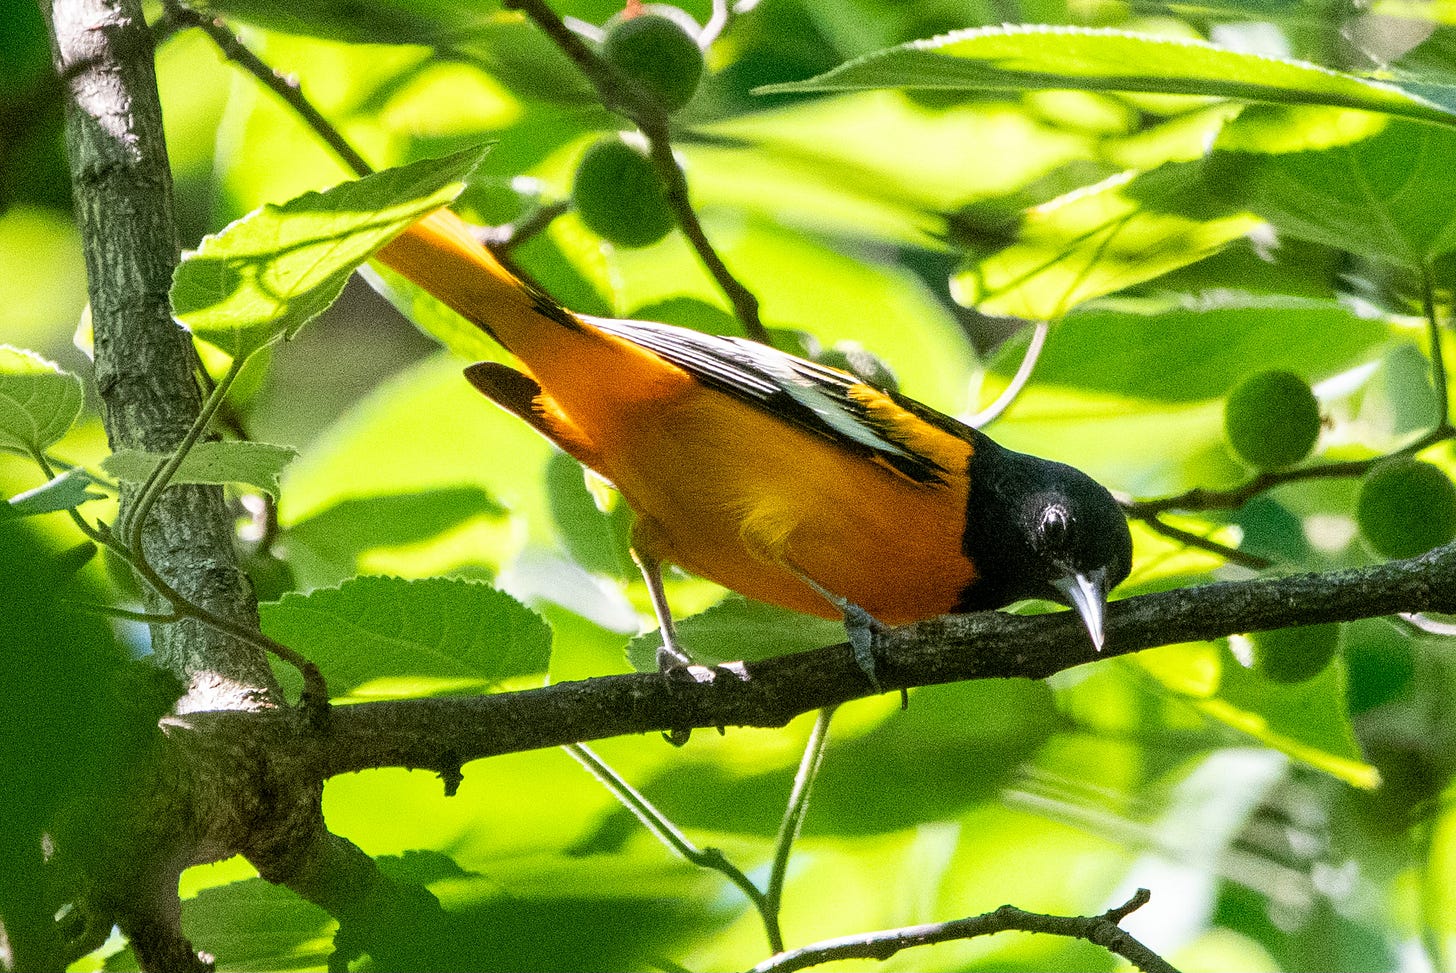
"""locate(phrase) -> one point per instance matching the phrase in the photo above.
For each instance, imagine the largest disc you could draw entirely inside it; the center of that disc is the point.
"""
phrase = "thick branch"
(123, 194)
(441, 734)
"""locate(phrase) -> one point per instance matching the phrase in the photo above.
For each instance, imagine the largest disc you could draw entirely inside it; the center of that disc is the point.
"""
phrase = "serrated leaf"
(1018, 58)
(39, 401)
(271, 272)
(66, 491)
(1100, 239)
(739, 629)
(255, 464)
(387, 637)
(1373, 186)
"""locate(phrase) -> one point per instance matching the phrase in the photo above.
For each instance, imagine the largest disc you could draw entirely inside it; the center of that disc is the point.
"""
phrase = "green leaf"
(256, 464)
(39, 402)
(254, 925)
(1374, 186)
(598, 539)
(387, 637)
(271, 272)
(739, 629)
(351, 527)
(1308, 721)
(1100, 239)
(1088, 59)
(66, 491)
(435, 23)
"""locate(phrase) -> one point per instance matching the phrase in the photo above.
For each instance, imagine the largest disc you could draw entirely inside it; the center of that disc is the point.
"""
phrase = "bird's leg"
(670, 655)
(860, 626)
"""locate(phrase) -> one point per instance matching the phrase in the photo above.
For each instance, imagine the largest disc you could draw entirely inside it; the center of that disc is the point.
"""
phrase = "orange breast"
(743, 498)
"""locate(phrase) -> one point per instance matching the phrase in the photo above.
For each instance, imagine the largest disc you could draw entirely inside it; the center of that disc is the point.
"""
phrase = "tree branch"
(620, 94)
(122, 186)
(1102, 930)
(440, 734)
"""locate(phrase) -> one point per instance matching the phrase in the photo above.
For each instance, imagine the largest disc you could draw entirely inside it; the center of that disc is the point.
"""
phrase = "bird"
(777, 477)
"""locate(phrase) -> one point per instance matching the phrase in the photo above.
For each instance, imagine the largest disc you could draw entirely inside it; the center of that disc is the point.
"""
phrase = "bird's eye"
(1055, 522)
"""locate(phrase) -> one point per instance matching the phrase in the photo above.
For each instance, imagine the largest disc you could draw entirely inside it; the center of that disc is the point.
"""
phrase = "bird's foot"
(863, 630)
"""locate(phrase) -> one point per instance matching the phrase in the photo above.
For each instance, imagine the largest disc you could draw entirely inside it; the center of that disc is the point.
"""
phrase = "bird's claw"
(863, 630)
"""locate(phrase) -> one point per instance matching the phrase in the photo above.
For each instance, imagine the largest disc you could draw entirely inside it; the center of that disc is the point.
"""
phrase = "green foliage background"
(1192, 242)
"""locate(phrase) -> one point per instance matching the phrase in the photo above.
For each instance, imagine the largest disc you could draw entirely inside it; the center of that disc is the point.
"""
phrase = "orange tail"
(596, 379)
(440, 254)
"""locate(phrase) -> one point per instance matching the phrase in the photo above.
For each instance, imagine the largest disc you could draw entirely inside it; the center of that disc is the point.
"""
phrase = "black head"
(1041, 529)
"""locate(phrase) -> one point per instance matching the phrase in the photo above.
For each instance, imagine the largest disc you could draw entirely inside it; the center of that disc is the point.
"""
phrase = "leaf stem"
(232, 47)
(1003, 401)
(161, 476)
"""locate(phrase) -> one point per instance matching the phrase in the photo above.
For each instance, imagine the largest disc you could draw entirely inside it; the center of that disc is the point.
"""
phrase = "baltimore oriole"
(782, 479)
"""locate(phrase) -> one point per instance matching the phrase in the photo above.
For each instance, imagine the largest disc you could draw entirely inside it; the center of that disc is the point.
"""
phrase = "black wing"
(826, 401)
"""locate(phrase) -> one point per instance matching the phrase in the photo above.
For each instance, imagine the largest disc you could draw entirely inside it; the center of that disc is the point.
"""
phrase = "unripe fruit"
(619, 197)
(1288, 655)
(1406, 507)
(1272, 420)
(657, 55)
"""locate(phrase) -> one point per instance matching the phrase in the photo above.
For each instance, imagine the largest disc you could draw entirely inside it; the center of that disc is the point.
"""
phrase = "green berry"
(1406, 507)
(658, 55)
(1272, 420)
(619, 196)
(1289, 655)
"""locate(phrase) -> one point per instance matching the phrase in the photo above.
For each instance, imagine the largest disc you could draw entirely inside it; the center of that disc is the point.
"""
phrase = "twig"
(1256, 561)
(716, 24)
(1003, 401)
(670, 834)
(506, 237)
(1102, 930)
(1202, 498)
(794, 813)
(1232, 498)
(620, 94)
(161, 476)
(315, 692)
(284, 87)
(146, 618)
(1438, 357)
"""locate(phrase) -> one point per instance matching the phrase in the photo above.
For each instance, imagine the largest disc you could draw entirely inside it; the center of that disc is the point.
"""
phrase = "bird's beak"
(1088, 594)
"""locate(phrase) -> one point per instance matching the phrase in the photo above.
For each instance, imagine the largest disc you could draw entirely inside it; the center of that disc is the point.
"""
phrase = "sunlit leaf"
(65, 491)
(256, 464)
(1373, 186)
(432, 22)
(737, 628)
(1100, 239)
(387, 637)
(1036, 57)
(39, 401)
(276, 269)
(351, 527)
(1307, 720)
(254, 925)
